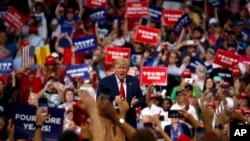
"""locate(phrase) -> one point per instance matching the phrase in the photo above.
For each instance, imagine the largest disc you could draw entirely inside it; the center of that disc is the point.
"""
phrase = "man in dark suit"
(121, 86)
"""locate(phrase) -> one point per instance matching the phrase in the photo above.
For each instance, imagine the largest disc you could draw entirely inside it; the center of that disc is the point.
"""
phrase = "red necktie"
(122, 91)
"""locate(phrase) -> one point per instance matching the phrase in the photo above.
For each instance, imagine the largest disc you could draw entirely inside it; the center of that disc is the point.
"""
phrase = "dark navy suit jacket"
(109, 86)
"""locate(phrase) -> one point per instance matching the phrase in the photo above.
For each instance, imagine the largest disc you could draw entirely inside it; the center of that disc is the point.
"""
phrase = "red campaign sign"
(154, 76)
(245, 60)
(170, 17)
(147, 35)
(14, 18)
(137, 9)
(116, 52)
(226, 59)
(96, 3)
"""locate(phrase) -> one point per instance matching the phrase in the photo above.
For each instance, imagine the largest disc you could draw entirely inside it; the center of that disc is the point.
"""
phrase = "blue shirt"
(12, 49)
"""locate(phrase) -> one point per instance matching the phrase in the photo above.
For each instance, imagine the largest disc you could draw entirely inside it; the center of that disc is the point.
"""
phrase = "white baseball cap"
(55, 54)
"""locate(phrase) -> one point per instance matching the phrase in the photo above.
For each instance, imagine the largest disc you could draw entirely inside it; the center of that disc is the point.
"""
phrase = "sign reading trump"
(6, 66)
(154, 76)
(116, 52)
(86, 43)
(25, 121)
(96, 3)
(226, 59)
(147, 35)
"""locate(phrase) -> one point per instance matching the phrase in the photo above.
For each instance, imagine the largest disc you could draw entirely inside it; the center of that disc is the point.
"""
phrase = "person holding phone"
(182, 103)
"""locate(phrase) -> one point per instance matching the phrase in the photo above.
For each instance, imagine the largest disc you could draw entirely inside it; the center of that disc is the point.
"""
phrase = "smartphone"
(174, 114)
(200, 133)
(212, 90)
(162, 118)
(190, 42)
(217, 78)
(117, 109)
(189, 80)
(43, 105)
(106, 97)
(148, 125)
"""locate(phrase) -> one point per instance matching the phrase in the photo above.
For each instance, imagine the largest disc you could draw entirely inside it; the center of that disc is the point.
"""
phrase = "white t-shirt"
(191, 110)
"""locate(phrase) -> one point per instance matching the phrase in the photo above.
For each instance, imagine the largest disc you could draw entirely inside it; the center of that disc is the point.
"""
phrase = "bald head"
(33, 99)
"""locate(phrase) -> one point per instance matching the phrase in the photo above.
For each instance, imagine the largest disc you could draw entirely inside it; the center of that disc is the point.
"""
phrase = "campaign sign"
(14, 18)
(170, 17)
(214, 3)
(98, 15)
(116, 52)
(25, 121)
(184, 21)
(245, 60)
(155, 13)
(147, 35)
(3, 11)
(96, 3)
(86, 43)
(137, 9)
(239, 132)
(78, 71)
(226, 59)
(154, 76)
(195, 62)
(6, 66)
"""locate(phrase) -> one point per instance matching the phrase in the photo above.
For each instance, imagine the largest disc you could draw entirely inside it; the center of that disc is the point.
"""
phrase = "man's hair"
(143, 135)
(68, 135)
(119, 61)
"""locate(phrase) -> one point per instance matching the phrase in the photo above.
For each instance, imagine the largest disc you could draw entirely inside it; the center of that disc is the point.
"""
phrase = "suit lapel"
(114, 85)
(129, 88)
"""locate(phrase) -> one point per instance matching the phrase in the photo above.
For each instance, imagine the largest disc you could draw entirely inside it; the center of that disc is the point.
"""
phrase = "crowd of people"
(195, 104)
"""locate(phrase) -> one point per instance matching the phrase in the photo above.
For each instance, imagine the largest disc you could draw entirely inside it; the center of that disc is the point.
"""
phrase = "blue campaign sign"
(3, 11)
(98, 15)
(80, 71)
(25, 121)
(6, 66)
(195, 61)
(155, 13)
(184, 21)
(86, 43)
(215, 3)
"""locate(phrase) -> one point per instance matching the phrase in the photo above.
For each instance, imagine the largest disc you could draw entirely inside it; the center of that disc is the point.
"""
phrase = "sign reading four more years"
(25, 120)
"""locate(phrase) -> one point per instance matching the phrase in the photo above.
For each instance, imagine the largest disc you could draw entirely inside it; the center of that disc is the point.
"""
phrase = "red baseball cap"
(154, 96)
(236, 72)
(246, 111)
(70, 10)
(50, 60)
(186, 73)
(31, 15)
(242, 95)
(138, 109)
(184, 137)
(24, 43)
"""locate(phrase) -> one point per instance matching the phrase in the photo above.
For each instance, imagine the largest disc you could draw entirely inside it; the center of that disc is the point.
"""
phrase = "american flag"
(27, 55)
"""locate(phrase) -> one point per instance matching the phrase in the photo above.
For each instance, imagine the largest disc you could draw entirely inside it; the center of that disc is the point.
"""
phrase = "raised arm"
(58, 48)
(80, 8)
(57, 13)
